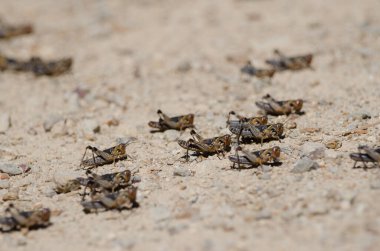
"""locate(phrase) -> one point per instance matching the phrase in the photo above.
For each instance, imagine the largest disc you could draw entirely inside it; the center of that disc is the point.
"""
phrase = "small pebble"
(360, 116)
(5, 122)
(136, 179)
(333, 144)
(12, 194)
(4, 176)
(291, 125)
(87, 128)
(10, 169)
(182, 172)
(51, 121)
(7, 153)
(4, 184)
(304, 165)
(313, 150)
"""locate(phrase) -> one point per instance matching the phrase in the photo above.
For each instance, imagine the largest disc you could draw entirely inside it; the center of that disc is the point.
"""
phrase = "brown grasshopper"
(366, 154)
(290, 63)
(275, 107)
(8, 31)
(259, 120)
(104, 157)
(123, 199)
(204, 146)
(37, 65)
(256, 158)
(259, 73)
(258, 132)
(177, 123)
(25, 220)
(109, 182)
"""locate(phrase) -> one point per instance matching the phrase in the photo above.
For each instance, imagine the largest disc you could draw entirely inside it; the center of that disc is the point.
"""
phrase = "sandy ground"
(134, 57)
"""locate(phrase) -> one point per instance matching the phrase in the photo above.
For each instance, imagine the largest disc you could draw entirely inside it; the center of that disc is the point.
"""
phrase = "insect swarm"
(256, 158)
(107, 156)
(25, 220)
(249, 69)
(366, 154)
(202, 146)
(293, 63)
(274, 107)
(176, 123)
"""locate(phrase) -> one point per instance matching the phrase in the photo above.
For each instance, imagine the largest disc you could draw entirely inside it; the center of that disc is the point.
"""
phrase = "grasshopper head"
(296, 105)
(276, 130)
(308, 58)
(119, 150)
(188, 119)
(275, 152)
(44, 214)
(226, 140)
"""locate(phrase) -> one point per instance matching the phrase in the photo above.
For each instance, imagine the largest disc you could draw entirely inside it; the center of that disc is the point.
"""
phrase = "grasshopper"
(110, 182)
(8, 31)
(256, 158)
(366, 154)
(37, 65)
(177, 123)
(123, 199)
(290, 63)
(260, 120)
(25, 220)
(204, 146)
(107, 156)
(275, 107)
(258, 132)
(259, 73)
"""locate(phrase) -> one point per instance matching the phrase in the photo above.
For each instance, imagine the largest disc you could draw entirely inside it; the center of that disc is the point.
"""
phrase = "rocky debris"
(360, 115)
(136, 179)
(305, 164)
(13, 169)
(51, 121)
(7, 154)
(291, 125)
(182, 172)
(4, 176)
(4, 184)
(5, 122)
(12, 194)
(313, 150)
(333, 144)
